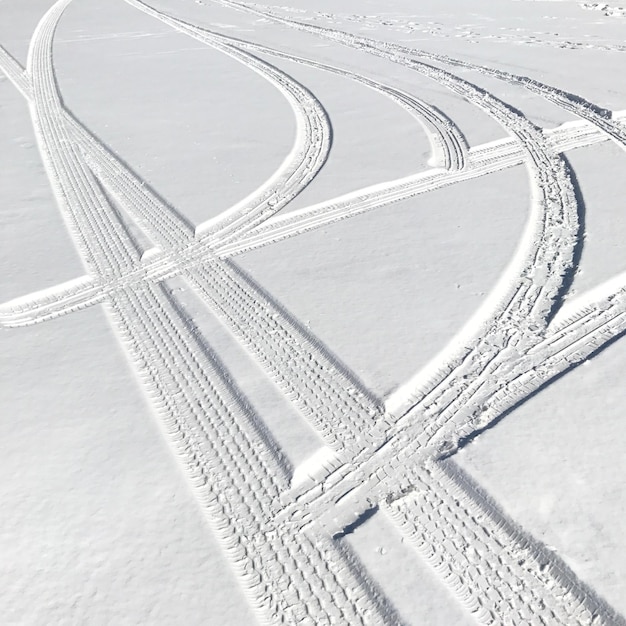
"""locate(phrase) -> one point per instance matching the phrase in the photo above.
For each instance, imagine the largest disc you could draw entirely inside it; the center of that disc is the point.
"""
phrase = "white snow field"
(312, 313)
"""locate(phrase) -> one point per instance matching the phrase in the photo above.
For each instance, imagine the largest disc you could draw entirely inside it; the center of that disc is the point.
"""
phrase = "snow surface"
(312, 313)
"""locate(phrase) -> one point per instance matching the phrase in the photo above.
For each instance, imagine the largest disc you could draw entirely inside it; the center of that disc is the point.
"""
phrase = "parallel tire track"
(104, 242)
(15, 73)
(238, 473)
(518, 308)
(324, 392)
(193, 393)
(448, 144)
(331, 399)
(231, 458)
(484, 159)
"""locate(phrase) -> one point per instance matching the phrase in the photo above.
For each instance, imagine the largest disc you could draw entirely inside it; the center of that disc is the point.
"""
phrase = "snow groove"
(323, 391)
(518, 308)
(448, 144)
(128, 188)
(284, 540)
(229, 455)
(601, 118)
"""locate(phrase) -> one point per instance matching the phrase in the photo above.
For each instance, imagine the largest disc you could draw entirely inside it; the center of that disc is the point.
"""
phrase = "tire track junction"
(236, 468)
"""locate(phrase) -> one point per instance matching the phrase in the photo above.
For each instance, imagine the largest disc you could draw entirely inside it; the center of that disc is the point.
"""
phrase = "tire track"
(448, 144)
(484, 159)
(232, 461)
(396, 465)
(238, 473)
(500, 111)
(320, 388)
(458, 530)
(166, 353)
(325, 392)
(601, 118)
(108, 247)
(518, 308)
(310, 152)
(451, 413)
(336, 405)
(15, 73)
(567, 344)
(490, 352)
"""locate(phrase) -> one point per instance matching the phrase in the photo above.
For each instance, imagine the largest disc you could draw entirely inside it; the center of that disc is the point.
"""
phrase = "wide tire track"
(496, 570)
(519, 307)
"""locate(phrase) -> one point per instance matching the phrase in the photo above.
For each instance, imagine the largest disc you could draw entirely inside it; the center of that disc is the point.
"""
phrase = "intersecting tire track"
(111, 251)
(530, 310)
(516, 305)
(484, 159)
(222, 445)
(238, 473)
(519, 308)
(320, 388)
(135, 312)
(15, 73)
(599, 117)
(481, 160)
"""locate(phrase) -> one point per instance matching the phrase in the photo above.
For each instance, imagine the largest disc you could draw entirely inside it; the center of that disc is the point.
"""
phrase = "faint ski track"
(289, 568)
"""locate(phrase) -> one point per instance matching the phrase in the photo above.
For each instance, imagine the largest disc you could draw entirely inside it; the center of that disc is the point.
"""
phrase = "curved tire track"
(313, 141)
(448, 144)
(234, 465)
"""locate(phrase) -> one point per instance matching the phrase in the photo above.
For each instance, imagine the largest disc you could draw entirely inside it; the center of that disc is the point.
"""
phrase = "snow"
(312, 313)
